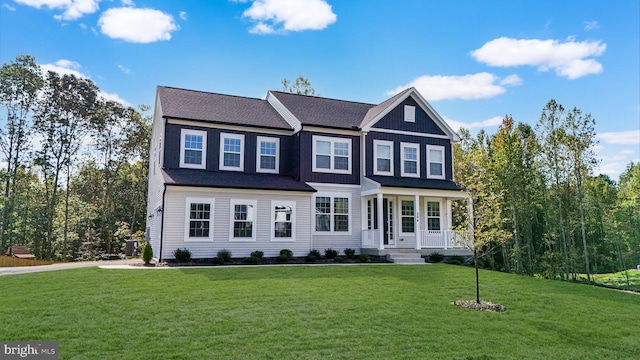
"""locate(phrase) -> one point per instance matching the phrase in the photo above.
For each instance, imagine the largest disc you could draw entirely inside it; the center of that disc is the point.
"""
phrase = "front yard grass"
(298, 312)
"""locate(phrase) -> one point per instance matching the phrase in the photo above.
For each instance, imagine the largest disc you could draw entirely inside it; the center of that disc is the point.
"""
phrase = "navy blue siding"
(288, 158)
(397, 139)
(394, 120)
(306, 164)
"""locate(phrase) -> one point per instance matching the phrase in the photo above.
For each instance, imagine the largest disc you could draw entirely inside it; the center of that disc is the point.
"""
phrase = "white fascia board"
(284, 112)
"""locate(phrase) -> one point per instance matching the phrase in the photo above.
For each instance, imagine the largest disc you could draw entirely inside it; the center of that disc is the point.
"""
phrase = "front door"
(389, 222)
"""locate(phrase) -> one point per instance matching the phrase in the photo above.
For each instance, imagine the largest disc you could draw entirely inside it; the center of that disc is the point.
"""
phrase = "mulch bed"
(484, 305)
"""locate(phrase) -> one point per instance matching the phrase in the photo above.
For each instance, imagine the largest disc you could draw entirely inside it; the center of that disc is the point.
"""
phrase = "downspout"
(164, 191)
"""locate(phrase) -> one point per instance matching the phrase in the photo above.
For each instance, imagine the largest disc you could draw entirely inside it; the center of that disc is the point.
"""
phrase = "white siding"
(335, 240)
(174, 228)
(156, 182)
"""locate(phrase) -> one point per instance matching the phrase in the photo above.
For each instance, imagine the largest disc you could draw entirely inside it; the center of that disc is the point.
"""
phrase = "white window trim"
(444, 169)
(375, 157)
(426, 213)
(332, 140)
(258, 154)
(232, 206)
(409, 113)
(187, 219)
(415, 207)
(291, 204)
(403, 146)
(331, 214)
(202, 133)
(231, 136)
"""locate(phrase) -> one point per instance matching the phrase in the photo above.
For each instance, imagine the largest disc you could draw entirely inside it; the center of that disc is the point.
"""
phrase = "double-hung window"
(408, 216)
(268, 155)
(433, 215)
(193, 149)
(199, 219)
(383, 157)
(332, 214)
(410, 159)
(331, 155)
(283, 220)
(231, 152)
(243, 217)
(435, 162)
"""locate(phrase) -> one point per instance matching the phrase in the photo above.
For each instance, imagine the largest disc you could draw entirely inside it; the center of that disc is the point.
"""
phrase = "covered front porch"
(417, 219)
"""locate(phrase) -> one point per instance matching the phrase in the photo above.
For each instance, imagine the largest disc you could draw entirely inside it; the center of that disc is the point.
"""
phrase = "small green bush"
(338, 259)
(252, 260)
(330, 253)
(283, 258)
(456, 260)
(436, 257)
(147, 253)
(182, 255)
(315, 253)
(287, 253)
(217, 261)
(350, 253)
(225, 255)
(258, 254)
(311, 258)
(364, 258)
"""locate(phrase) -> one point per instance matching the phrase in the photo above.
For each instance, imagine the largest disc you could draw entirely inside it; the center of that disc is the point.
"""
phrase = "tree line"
(74, 179)
(539, 210)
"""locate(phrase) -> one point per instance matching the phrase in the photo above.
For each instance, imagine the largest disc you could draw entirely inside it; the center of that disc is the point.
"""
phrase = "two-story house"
(298, 172)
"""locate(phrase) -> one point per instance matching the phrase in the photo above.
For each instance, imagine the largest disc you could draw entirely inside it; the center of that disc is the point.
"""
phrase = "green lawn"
(338, 312)
(619, 279)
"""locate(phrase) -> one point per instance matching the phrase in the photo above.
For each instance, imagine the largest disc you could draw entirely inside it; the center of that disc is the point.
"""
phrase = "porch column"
(448, 223)
(416, 222)
(380, 223)
(470, 211)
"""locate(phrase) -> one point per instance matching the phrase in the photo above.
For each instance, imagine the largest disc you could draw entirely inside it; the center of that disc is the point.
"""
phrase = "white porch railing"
(441, 239)
(370, 238)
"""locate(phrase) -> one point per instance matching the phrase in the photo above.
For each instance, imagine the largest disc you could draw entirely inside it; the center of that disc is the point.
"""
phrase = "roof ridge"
(211, 93)
(322, 97)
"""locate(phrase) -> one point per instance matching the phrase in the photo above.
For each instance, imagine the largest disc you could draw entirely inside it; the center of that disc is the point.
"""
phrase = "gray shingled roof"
(228, 109)
(319, 111)
(232, 179)
(415, 183)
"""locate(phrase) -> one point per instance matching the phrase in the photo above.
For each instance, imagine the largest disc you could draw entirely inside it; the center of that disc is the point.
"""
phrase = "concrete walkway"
(64, 266)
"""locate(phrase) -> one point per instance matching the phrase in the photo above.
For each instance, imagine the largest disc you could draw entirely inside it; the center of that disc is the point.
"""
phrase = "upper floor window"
(243, 217)
(435, 162)
(198, 219)
(231, 152)
(332, 155)
(193, 149)
(410, 159)
(409, 113)
(268, 155)
(383, 157)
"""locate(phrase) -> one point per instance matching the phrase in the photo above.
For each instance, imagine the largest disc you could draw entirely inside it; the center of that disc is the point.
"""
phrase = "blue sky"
(475, 61)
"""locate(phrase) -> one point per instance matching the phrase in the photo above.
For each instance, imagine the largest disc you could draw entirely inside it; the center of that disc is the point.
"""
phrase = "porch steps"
(405, 258)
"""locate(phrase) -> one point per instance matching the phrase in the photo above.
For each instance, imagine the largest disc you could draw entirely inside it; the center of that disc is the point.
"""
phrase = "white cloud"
(468, 87)
(570, 59)
(127, 3)
(64, 67)
(137, 25)
(113, 97)
(73, 9)
(9, 7)
(628, 137)
(591, 25)
(124, 69)
(183, 15)
(289, 15)
(457, 125)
